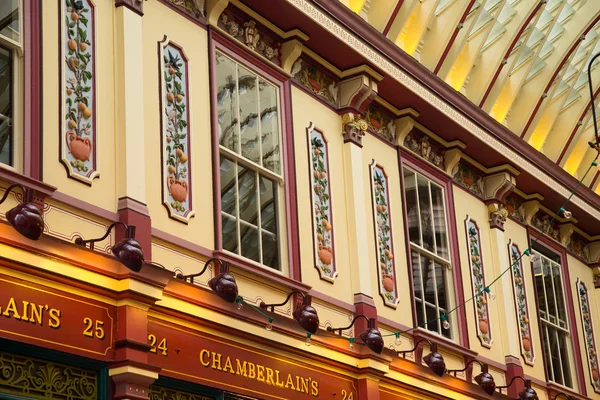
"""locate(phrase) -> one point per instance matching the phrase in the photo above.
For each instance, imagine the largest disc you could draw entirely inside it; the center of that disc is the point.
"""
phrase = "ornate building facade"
(296, 199)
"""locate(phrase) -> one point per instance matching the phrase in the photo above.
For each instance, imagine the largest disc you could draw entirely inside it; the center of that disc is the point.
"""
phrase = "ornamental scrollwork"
(36, 378)
(522, 309)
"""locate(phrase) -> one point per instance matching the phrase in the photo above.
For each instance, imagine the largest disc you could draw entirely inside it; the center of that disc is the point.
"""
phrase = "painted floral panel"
(468, 177)
(577, 245)
(544, 223)
(478, 281)
(381, 123)
(193, 8)
(424, 147)
(384, 244)
(176, 168)
(588, 333)
(519, 291)
(322, 210)
(78, 135)
(316, 81)
(514, 206)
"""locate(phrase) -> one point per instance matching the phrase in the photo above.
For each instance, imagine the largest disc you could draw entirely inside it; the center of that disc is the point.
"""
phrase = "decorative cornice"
(137, 6)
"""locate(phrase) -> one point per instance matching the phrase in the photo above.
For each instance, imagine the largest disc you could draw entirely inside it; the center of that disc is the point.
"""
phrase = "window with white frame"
(553, 316)
(252, 183)
(10, 45)
(429, 249)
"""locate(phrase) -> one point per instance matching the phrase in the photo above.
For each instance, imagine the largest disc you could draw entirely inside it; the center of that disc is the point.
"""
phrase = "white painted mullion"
(551, 367)
(560, 358)
(237, 210)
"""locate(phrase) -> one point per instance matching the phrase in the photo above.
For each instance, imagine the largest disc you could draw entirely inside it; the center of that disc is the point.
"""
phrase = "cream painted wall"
(102, 192)
(387, 157)
(307, 110)
(194, 41)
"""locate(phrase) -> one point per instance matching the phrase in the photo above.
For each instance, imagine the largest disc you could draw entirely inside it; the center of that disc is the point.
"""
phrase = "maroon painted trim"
(85, 207)
(549, 244)
(453, 38)
(510, 49)
(585, 111)
(372, 167)
(303, 88)
(32, 57)
(587, 297)
(201, 22)
(596, 175)
(332, 300)
(408, 159)
(181, 243)
(459, 102)
(243, 56)
(162, 46)
(487, 308)
(390, 22)
(557, 70)
(312, 199)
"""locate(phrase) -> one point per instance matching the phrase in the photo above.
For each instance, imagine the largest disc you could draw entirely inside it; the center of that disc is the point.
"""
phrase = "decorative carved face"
(224, 286)
(27, 219)
(486, 382)
(436, 363)
(307, 317)
(129, 252)
(372, 338)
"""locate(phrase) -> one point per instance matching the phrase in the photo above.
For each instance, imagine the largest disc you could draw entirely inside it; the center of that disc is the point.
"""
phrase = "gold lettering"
(205, 353)
(37, 313)
(25, 306)
(260, 373)
(278, 382)
(216, 360)
(302, 384)
(314, 388)
(12, 307)
(270, 380)
(241, 368)
(251, 370)
(229, 366)
(54, 321)
(290, 383)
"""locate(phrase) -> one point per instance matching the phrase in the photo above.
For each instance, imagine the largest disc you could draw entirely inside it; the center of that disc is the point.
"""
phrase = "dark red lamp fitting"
(485, 380)
(128, 251)
(566, 396)
(304, 313)
(26, 217)
(433, 360)
(223, 284)
(527, 393)
(371, 337)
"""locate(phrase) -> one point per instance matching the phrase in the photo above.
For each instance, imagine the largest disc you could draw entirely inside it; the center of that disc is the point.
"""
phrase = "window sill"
(444, 344)
(41, 189)
(250, 270)
(555, 388)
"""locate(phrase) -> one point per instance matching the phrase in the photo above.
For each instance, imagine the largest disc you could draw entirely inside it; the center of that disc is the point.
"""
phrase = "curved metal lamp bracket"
(432, 347)
(338, 331)
(223, 267)
(129, 233)
(27, 193)
(484, 367)
(271, 307)
(527, 383)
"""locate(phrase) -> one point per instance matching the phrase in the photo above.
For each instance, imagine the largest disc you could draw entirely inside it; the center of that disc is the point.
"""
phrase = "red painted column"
(514, 368)
(368, 389)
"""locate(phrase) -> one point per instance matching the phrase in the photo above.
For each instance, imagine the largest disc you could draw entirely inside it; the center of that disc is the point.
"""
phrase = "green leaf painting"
(518, 279)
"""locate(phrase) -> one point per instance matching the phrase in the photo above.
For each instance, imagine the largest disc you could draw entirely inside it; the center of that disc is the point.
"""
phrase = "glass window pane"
(269, 121)
(428, 282)
(440, 278)
(227, 102)
(439, 222)
(248, 95)
(9, 19)
(270, 250)
(432, 318)
(247, 193)
(228, 188)
(558, 287)
(420, 315)
(6, 88)
(564, 351)
(416, 267)
(412, 210)
(546, 342)
(229, 234)
(249, 238)
(425, 213)
(268, 191)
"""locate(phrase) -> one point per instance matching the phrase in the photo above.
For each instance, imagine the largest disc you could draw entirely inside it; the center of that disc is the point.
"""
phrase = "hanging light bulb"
(269, 326)
(565, 214)
(445, 322)
(535, 257)
(308, 339)
(240, 302)
(351, 343)
(398, 340)
(489, 293)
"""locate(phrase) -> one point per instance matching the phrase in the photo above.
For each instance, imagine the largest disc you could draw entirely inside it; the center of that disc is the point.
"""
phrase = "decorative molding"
(214, 9)
(253, 35)
(324, 250)
(588, 334)
(543, 222)
(520, 300)
(498, 186)
(357, 93)
(514, 206)
(578, 246)
(30, 377)
(469, 177)
(484, 331)
(381, 123)
(192, 8)
(498, 214)
(529, 210)
(386, 270)
(78, 110)
(176, 160)
(318, 82)
(353, 128)
(163, 393)
(137, 6)
(428, 150)
(290, 54)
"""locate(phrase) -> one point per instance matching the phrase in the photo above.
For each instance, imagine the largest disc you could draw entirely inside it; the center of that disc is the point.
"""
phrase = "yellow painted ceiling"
(522, 61)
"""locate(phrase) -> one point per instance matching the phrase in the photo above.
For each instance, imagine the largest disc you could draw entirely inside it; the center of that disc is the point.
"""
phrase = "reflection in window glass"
(249, 132)
(426, 219)
(9, 19)
(6, 110)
